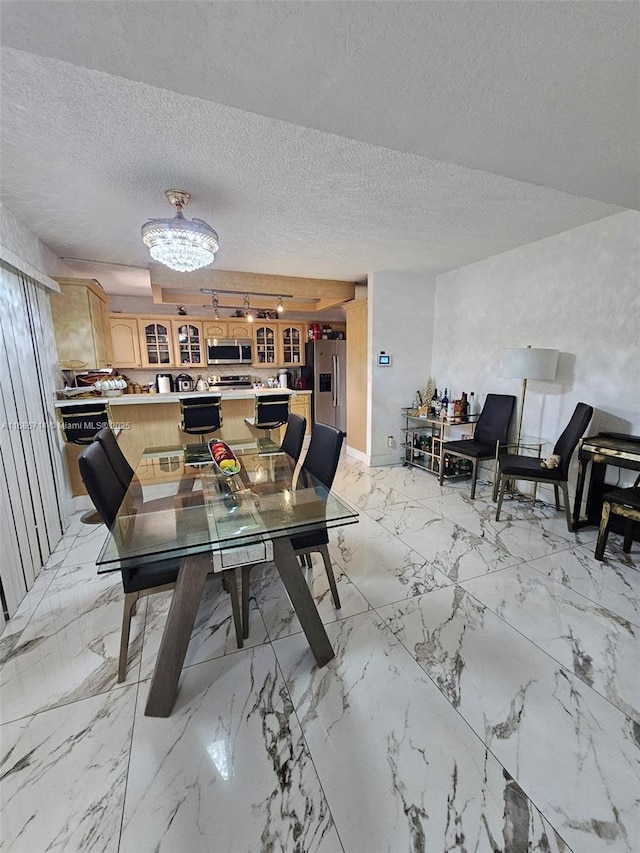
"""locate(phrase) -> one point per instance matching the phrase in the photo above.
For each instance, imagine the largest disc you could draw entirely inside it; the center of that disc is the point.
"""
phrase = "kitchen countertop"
(175, 396)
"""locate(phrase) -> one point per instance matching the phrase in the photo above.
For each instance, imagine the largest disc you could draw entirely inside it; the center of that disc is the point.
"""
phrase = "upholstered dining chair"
(122, 469)
(490, 432)
(294, 436)
(107, 493)
(319, 466)
(513, 466)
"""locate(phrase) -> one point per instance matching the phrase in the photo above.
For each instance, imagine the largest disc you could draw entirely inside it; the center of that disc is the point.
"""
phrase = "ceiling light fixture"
(280, 306)
(214, 305)
(247, 310)
(181, 244)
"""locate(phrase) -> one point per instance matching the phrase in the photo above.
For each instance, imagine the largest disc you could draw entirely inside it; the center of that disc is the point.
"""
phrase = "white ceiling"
(319, 139)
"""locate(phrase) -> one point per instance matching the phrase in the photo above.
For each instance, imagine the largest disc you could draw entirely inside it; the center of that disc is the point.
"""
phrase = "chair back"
(200, 415)
(323, 454)
(272, 410)
(124, 471)
(81, 423)
(494, 420)
(294, 436)
(571, 435)
(103, 486)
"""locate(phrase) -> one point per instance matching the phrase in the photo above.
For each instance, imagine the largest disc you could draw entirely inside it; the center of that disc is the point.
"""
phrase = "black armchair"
(271, 412)
(490, 432)
(200, 415)
(512, 466)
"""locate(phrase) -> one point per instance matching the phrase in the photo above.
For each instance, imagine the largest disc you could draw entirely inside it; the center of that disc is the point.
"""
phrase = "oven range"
(218, 382)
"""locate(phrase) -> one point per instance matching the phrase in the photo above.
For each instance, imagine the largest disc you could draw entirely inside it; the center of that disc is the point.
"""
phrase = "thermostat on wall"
(384, 360)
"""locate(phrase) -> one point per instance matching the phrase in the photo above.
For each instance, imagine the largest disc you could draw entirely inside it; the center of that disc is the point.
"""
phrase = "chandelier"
(180, 243)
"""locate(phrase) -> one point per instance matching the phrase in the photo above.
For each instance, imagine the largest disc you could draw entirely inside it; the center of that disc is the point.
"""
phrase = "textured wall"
(401, 323)
(578, 292)
(17, 238)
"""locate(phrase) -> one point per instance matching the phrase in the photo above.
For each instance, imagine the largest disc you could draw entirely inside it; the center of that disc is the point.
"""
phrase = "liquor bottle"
(445, 400)
(464, 408)
(473, 406)
(457, 411)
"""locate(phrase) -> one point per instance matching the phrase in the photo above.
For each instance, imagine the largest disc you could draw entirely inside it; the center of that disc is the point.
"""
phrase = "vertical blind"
(33, 509)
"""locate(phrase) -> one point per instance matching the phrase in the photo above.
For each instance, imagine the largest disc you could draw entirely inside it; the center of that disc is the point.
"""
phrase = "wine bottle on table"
(444, 402)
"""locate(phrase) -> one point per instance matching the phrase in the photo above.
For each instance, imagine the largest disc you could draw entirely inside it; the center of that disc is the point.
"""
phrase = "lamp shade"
(529, 363)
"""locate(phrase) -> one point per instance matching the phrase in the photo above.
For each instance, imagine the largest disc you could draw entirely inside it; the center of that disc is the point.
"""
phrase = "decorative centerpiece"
(224, 458)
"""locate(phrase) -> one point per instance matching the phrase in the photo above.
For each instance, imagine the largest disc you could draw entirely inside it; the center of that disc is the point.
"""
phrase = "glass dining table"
(180, 505)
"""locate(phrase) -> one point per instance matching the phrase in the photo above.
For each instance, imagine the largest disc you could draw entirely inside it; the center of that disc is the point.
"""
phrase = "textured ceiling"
(319, 139)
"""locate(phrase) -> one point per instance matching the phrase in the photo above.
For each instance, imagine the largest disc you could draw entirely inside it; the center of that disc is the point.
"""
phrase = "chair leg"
(603, 531)
(309, 561)
(232, 586)
(567, 508)
(503, 483)
(329, 570)
(474, 476)
(246, 571)
(130, 601)
(628, 536)
(557, 494)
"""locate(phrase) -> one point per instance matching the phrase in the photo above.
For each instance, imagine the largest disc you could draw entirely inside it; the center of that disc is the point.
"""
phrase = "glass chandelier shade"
(181, 244)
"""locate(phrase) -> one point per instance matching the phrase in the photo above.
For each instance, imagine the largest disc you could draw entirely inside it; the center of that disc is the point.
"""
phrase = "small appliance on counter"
(164, 383)
(184, 382)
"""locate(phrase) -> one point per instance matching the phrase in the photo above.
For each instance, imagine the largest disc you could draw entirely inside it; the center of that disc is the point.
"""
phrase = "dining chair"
(319, 466)
(294, 436)
(122, 469)
(514, 466)
(107, 493)
(491, 431)
(271, 411)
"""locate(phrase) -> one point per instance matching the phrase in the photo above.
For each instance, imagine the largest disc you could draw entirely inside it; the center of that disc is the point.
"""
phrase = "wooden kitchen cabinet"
(216, 329)
(156, 343)
(81, 323)
(240, 329)
(300, 404)
(278, 344)
(125, 341)
(189, 343)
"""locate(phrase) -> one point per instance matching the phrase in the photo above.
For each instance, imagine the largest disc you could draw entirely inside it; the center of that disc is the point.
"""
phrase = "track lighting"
(247, 310)
(280, 306)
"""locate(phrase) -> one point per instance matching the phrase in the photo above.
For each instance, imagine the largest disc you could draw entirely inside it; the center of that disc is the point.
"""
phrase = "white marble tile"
(610, 583)
(380, 565)
(574, 754)
(86, 547)
(410, 482)
(449, 547)
(228, 770)
(400, 770)
(213, 633)
(64, 773)
(69, 649)
(276, 609)
(362, 490)
(598, 646)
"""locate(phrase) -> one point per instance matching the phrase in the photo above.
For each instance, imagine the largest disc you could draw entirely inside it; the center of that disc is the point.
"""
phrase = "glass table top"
(179, 503)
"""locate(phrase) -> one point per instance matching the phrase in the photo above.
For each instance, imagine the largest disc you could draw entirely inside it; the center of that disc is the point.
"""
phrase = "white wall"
(24, 245)
(578, 292)
(401, 322)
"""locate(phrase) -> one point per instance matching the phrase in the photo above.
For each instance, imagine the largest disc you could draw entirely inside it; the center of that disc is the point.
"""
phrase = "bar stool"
(624, 503)
(271, 412)
(200, 415)
(80, 424)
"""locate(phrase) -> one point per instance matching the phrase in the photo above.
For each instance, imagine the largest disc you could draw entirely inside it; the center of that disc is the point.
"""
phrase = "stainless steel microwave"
(221, 351)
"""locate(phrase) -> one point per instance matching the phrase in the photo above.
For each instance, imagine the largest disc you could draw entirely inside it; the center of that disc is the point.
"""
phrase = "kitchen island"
(144, 420)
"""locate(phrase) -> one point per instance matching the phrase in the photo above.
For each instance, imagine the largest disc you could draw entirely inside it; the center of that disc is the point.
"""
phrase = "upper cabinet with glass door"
(188, 340)
(292, 344)
(157, 350)
(266, 341)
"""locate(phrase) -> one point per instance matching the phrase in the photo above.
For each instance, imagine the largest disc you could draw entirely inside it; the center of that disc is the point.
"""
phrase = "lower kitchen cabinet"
(423, 441)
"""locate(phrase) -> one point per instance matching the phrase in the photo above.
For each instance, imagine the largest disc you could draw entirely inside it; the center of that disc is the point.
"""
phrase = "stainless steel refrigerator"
(325, 374)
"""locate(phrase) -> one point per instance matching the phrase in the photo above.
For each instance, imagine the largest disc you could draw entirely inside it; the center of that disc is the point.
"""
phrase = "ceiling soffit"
(310, 295)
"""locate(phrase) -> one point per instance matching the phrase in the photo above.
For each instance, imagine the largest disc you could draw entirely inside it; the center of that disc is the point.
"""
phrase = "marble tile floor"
(484, 696)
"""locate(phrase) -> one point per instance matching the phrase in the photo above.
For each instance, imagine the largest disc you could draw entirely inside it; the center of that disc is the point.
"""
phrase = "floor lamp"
(527, 363)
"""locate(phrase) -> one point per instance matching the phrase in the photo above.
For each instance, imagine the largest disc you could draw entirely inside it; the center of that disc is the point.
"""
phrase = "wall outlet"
(390, 441)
